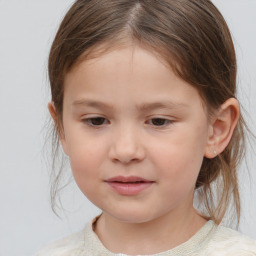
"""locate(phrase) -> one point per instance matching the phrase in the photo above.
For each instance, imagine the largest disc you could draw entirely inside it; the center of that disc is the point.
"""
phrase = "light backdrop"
(27, 28)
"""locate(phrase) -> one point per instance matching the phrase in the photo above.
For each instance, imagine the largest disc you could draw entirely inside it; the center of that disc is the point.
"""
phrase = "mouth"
(131, 185)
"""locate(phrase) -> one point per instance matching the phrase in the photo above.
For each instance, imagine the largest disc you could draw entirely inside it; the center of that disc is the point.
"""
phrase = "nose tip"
(127, 149)
(126, 154)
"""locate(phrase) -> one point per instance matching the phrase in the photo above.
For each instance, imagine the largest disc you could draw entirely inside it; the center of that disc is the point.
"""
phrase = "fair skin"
(153, 125)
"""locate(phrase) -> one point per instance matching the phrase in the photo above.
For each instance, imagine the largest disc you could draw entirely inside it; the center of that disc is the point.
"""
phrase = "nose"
(126, 146)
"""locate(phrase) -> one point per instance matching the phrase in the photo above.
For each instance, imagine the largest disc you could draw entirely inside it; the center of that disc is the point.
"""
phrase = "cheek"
(86, 157)
(180, 157)
(85, 167)
(178, 169)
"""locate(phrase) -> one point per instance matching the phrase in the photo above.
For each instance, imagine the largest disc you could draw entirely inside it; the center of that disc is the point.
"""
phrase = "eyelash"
(88, 121)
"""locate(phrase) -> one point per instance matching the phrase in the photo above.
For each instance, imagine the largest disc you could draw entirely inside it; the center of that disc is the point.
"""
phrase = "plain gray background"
(27, 28)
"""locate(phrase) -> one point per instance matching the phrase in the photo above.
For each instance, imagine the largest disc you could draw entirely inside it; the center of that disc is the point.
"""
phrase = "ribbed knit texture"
(210, 240)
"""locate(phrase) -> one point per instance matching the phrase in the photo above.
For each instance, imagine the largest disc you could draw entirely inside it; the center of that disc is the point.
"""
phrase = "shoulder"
(68, 246)
(83, 243)
(226, 242)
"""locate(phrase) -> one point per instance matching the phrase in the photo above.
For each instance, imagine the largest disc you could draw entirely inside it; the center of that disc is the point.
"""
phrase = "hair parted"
(192, 37)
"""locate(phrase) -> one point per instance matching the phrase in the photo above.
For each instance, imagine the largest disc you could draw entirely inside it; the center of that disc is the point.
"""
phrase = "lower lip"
(129, 189)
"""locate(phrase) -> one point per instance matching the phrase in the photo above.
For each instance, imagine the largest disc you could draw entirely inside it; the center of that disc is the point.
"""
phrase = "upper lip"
(124, 179)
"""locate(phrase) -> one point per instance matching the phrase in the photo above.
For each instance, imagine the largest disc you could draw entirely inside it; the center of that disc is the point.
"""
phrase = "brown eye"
(95, 121)
(159, 121)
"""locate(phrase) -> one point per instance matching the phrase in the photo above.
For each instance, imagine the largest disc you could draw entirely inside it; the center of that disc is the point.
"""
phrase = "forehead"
(129, 58)
(125, 44)
(131, 73)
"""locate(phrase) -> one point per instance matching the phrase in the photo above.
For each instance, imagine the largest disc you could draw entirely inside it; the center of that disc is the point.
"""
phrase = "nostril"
(126, 151)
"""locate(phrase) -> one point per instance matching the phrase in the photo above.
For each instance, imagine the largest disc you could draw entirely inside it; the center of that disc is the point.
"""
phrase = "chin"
(132, 216)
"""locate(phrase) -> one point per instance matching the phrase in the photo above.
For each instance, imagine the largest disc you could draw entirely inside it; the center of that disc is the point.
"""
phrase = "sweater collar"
(93, 244)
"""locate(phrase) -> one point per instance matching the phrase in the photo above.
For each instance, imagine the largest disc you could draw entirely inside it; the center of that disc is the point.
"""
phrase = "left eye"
(95, 121)
(159, 121)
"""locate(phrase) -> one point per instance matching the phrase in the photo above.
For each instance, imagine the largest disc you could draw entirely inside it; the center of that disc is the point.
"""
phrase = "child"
(143, 99)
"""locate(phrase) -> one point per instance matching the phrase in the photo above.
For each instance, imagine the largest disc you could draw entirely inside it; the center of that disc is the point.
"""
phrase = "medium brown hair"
(192, 37)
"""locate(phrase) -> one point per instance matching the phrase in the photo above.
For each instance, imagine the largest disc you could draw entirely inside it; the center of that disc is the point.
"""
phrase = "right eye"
(95, 121)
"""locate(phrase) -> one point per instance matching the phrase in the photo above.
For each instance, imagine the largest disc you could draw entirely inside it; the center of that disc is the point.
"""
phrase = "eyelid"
(169, 121)
(86, 120)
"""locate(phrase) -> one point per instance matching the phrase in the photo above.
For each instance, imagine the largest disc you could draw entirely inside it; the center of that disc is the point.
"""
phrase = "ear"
(52, 111)
(222, 127)
(61, 134)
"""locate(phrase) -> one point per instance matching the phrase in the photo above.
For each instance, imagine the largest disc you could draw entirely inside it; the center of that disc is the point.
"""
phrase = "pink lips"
(129, 185)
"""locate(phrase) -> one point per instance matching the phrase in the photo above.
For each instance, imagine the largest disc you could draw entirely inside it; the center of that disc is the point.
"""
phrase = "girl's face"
(135, 133)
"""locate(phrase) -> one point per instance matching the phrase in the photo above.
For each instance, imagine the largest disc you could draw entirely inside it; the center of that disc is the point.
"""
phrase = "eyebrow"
(144, 107)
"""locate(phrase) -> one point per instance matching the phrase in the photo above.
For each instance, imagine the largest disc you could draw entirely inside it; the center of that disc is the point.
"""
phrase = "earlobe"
(222, 128)
(53, 113)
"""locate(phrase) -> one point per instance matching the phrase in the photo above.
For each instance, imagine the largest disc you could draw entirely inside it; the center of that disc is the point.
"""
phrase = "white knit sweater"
(210, 240)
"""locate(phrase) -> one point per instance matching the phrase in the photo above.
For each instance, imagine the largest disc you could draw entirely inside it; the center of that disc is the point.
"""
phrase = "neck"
(158, 235)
